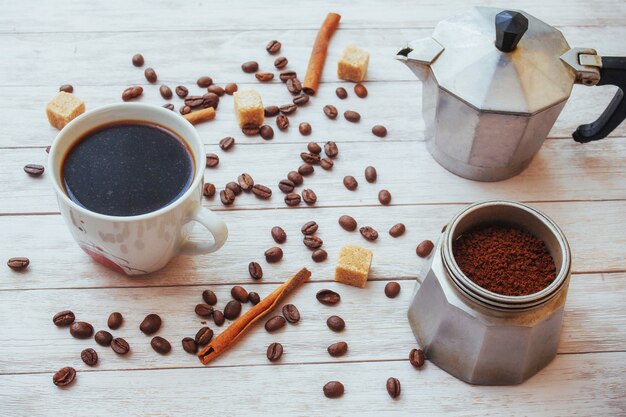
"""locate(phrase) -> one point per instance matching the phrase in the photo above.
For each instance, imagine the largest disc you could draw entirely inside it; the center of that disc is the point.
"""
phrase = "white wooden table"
(44, 44)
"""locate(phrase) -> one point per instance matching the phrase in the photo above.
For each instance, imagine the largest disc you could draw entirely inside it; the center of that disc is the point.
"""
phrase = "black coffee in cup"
(127, 168)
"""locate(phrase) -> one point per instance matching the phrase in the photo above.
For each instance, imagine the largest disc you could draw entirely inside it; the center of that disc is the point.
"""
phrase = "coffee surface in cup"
(127, 168)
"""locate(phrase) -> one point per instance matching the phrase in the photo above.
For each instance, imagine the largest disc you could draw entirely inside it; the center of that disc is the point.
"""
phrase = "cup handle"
(214, 225)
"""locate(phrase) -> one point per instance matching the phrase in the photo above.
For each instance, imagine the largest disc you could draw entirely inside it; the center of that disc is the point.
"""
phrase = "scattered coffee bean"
(347, 223)
(333, 389)
(264, 76)
(309, 196)
(328, 297)
(286, 186)
(250, 67)
(350, 182)
(209, 297)
(280, 62)
(291, 313)
(304, 128)
(250, 129)
(330, 111)
(288, 108)
(138, 60)
(166, 92)
(294, 86)
(203, 336)
(218, 317)
(246, 182)
(275, 323)
(254, 298)
(151, 324)
(384, 196)
(319, 255)
(380, 131)
(18, 263)
(232, 309)
(255, 270)
(261, 191)
(305, 169)
(273, 255)
(131, 93)
(417, 358)
(34, 170)
(266, 132)
(271, 111)
(351, 116)
(204, 81)
(370, 174)
(295, 177)
(216, 89)
(392, 289)
(282, 122)
(330, 149)
(64, 376)
(227, 143)
(208, 190)
(81, 330)
(287, 75)
(309, 228)
(292, 199)
(341, 92)
(181, 91)
(63, 318)
(202, 309)
(369, 233)
(103, 338)
(326, 163)
(169, 106)
(310, 158)
(231, 88)
(120, 346)
(301, 99)
(393, 387)
(89, 356)
(234, 187)
(227, 197)
(189, 345)
(337, 349)
(360, 90)
(278, 234)
(210, 100)
(397, 230)
(115, 320)
(314, 148)
(212, 160)
(239, 293)
(67, 88)
(194, 101)
(274, 352)
(161, 345)
(335, 323)
(151, 75)
(184, 110)
(273, 46)
(424, 249)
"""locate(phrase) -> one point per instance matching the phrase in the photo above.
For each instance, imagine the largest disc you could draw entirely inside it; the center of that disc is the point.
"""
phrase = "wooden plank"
(596, 240)
(582, 385)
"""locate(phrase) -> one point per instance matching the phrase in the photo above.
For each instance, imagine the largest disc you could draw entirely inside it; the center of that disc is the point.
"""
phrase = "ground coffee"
(504, 259)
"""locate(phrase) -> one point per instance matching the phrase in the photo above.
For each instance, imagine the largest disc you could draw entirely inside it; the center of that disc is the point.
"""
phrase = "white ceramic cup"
(145, 243)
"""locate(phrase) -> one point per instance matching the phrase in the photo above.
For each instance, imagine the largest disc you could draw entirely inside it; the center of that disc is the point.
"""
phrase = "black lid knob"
(510, 27)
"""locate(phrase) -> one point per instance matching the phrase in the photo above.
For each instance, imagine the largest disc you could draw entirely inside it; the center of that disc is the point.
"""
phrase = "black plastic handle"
(510, 27)
(613, 72)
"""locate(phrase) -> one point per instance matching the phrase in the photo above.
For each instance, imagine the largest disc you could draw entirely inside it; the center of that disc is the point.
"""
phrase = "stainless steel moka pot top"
(494, 83)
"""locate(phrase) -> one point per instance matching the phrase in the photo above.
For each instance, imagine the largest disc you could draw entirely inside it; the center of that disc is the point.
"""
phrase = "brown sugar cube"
(353, 265)
(249, 108)
(64, 108)
(352, 65)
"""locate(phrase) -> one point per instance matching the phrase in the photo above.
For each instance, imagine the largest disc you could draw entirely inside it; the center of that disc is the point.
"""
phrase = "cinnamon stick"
(200, 115)
(319, 52)
(239, 327)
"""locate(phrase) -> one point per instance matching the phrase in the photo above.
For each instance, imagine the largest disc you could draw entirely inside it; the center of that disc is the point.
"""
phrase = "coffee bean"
(151, 75)
(63, 318)
(309, 196)
(326, 163)
(239, 293)
(347, 223)
(255, 270)
(424, 249)
(295, 177)
(64, 376)
(314, 147)
(208, 190)
(305, 169)
(310, 158)
(246, 182)
(286, 186)
(209, 297)
(189, 345)
(203, 336)
(280, 62)
(81, 330)
(328, 297)
(115, 320)
(294, 86)
(330, 111)
(288, 108)
(232, 309)
(261, 191)
(370, 174)
(210, 100)
(292, 199)
(138, 60)
(393, 387)
(417, 358)
(275, 323)
(168, 106)
(319, 255)
(103, 338)
(273, 255)
(266, 132)
(282, 122)
(234, 187)
(150, 324)
(131, 93)
(181, 91)
(350, 182)
(166, 92)
(203, 310)
(218, 317)
(227, 143)
(204, 81)
(271, 111)
(231, 88)
(291, 313)
(351, 116)
(397, 230)
(309, 228)
(337, 349)
(18, 263)
(380, 131)
(216, 89)
(34, 170)
(341, 92)
(304, 128)
(330, 149)
(273, 46)
(287, 75)
(392, 289)
(274, 352)
(161, 345)
(89, 356)
(194, 101)
(250, 129)
(264, 76)
(120, 346)
(184, 110)
(384, 196)
(301, 99)
(369, 233)
(360, 90)
(250, 67)
(333, 389)
(278, 234)
(227, 197)
(254, 298)
(335, 323)
(67, 88)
